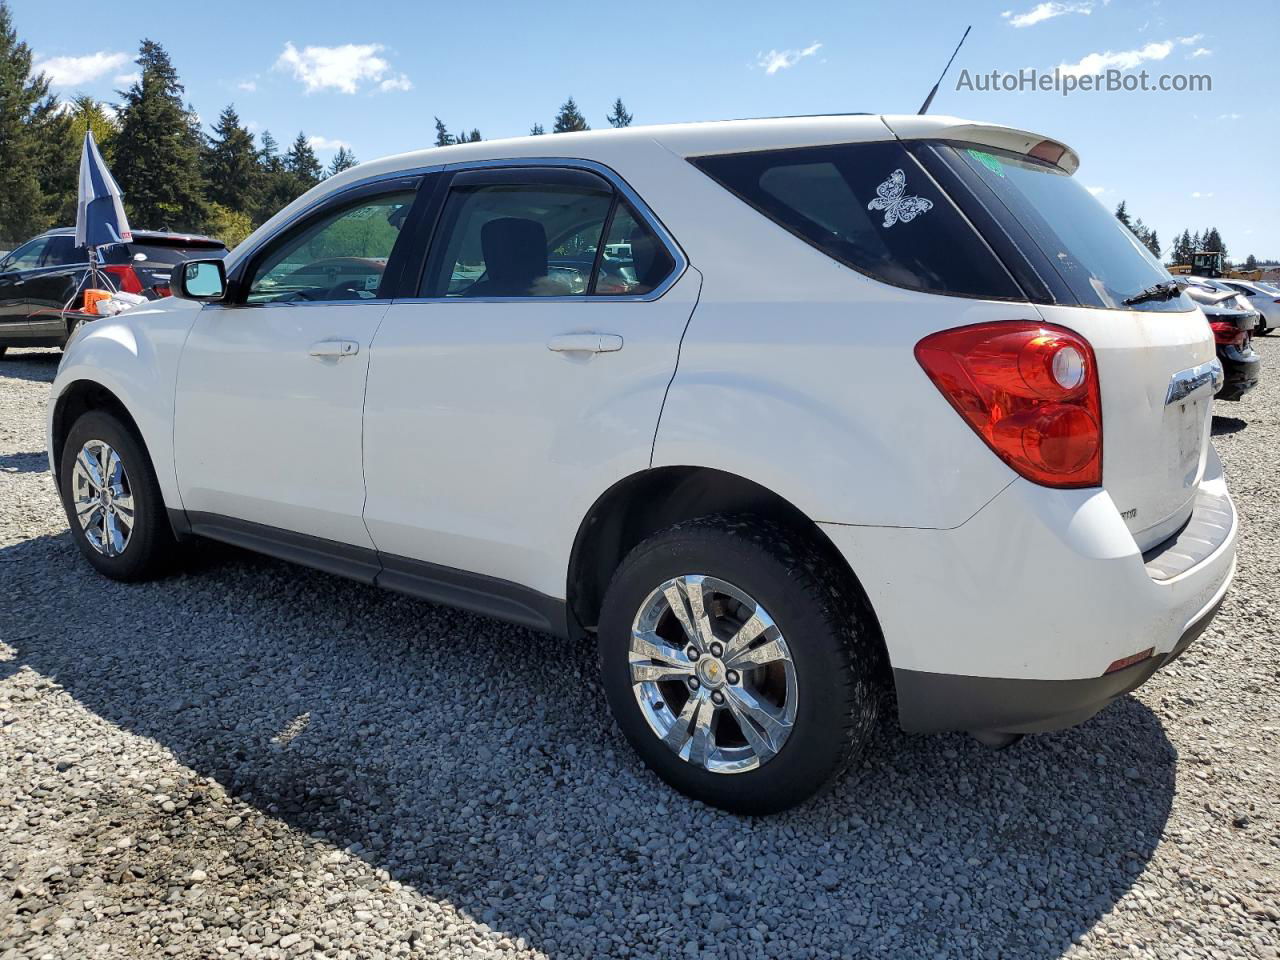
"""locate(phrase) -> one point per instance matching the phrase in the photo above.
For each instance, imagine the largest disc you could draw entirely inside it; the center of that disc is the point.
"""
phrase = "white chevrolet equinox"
(784, 412)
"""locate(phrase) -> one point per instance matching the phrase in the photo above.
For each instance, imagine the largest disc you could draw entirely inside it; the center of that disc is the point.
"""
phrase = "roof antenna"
(929, 99)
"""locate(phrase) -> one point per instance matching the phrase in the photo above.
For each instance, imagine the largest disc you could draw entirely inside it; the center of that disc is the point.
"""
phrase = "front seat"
(649, 259)
(515, 258)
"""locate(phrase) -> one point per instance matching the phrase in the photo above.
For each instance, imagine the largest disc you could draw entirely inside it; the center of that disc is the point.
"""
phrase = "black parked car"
(1232, 322)
(42, 275)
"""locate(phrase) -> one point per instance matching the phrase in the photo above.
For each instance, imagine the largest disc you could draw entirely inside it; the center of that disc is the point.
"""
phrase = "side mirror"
(204, 280)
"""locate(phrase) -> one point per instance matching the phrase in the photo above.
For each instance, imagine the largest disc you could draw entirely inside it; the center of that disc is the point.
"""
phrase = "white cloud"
(1197, 195)
(1230, 116)
(1094, 63)
(74, 71)
(318, 142)
(1188, 41)
(398, 82)
(1200, 52)
(1045, 11)
(345, 68)
(776, 60)
(126, 79)
(248, 86)
(1096, 191)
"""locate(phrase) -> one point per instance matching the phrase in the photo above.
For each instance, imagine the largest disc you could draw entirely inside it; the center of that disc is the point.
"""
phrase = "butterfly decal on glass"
(890, 197)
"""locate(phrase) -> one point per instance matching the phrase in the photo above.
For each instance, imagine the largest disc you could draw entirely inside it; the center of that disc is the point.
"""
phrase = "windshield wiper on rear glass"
(1164, 290)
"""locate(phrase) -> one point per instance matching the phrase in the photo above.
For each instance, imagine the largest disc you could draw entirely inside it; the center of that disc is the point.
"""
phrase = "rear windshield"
(1098, 259)
(161, 252)
(871, 207)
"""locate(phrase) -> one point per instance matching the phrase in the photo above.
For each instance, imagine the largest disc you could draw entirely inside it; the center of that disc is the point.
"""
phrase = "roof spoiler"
(1004, 138)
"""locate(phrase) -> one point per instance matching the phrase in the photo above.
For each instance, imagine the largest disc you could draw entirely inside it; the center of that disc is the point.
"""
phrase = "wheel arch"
(644, 503)
(78, 398)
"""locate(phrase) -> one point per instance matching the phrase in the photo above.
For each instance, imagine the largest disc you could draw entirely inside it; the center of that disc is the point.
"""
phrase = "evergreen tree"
(301, 162)
(1250, 262)
(1196, 244)
(278, 185)
(86, 113)
(1213, 241)
(344, 159)
(619, 117)
(443, 137)
(232, 171)
(56, 159)
(536, 130)
(158, 151)
(1122, 214)
(569, 119)
(22, 201)
(474, 137)
(1153, 243)
(1182, 249)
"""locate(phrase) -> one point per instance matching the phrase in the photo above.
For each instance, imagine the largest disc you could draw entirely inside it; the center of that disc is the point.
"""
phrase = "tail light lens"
(1226, 333)
(1030, 390)
(125, 276)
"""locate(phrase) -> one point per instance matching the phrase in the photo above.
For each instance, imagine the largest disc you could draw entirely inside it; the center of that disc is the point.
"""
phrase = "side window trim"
(623, 193)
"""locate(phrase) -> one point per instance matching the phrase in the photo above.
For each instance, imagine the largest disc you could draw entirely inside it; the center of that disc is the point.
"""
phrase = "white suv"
(785, 412)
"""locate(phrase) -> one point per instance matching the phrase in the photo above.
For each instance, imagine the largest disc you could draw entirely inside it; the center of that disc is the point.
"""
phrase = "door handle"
(334, 348)
(585, 343)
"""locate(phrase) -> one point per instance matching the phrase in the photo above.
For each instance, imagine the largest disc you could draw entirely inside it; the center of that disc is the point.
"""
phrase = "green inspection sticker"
(990, 161)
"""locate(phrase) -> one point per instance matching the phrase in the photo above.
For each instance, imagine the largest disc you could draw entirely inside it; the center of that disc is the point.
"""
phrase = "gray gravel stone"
(249, 759)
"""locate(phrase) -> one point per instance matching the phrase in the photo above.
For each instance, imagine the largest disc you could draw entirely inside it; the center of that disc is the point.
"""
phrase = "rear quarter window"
(870, 206)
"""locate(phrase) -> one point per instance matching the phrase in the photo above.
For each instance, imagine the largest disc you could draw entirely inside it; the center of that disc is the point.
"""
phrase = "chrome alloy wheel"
(712, 674)
(102, 498)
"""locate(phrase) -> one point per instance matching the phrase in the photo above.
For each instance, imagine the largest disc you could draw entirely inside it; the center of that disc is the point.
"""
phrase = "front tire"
(738, 664)
(112, 500)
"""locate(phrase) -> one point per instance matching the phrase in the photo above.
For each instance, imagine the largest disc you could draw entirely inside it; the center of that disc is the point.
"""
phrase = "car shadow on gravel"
(1225, 425)
(35, 365)
(477, 763)
(24, 462)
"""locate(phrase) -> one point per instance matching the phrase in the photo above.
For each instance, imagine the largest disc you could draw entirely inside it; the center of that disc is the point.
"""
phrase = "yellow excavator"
(1210, 263)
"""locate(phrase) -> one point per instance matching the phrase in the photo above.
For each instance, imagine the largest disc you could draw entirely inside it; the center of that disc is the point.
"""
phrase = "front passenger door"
(270, 392)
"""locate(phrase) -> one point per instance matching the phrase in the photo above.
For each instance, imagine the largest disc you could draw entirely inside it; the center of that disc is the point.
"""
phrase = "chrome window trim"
(608, 173)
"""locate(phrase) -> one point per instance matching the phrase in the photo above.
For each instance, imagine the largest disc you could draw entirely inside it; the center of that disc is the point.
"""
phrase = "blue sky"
(373, 75)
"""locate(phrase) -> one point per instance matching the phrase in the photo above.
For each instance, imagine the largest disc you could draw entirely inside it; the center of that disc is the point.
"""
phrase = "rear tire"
(125, 534)
(814, 664)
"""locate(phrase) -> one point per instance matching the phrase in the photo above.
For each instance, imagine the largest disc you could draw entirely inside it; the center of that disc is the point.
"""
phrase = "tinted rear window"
(871, 207)
(163, 252)
(1099, 259)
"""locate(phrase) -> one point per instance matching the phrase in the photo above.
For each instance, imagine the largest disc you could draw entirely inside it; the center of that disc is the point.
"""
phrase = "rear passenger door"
(525, 378)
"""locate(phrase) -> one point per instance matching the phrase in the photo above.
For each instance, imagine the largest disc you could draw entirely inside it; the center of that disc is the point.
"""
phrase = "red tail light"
(125, 276)
(1030, 390)
(1226, 333)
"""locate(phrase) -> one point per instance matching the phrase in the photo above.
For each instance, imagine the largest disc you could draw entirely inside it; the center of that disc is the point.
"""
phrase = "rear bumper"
(1241, 369)
(932, 702)
(1010, 622)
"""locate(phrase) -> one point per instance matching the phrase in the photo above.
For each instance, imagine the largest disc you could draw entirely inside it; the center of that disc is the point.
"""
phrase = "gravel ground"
(253, 759)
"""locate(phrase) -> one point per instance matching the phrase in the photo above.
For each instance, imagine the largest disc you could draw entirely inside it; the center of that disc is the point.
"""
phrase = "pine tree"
(1122, 214)
(475, 136)
(22, 202)
(1153, 243)
(569, 119)
(619, 117)
(158, 151)
(344, 159)
(301, 162)
(536, 130)
(1250, 262)
(443, 137)
(279, 186)
(1197, 244)
(232, 172)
